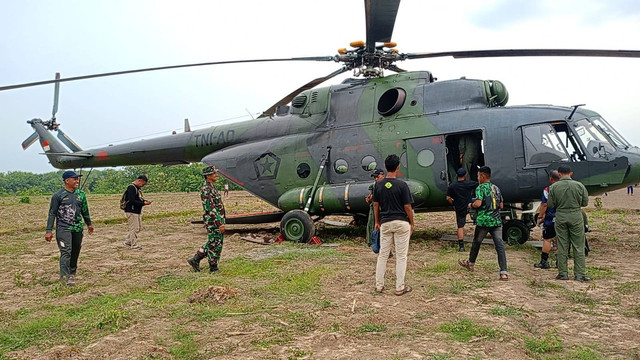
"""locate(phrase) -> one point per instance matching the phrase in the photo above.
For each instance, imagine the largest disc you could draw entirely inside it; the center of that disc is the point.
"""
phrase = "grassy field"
(292, 301)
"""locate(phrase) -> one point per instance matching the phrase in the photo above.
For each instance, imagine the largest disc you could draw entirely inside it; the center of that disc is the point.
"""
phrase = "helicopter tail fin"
(50, 144)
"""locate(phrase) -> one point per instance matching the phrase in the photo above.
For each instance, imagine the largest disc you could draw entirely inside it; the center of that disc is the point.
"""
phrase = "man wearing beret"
(68, 208)
(568, 196)
(214, 222)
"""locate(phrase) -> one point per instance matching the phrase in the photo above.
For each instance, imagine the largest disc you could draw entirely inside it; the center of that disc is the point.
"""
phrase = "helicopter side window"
(542, 145)
(341, 166)
(369, 163)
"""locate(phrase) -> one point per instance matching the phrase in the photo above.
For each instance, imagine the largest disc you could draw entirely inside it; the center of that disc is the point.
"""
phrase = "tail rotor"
(52, 124)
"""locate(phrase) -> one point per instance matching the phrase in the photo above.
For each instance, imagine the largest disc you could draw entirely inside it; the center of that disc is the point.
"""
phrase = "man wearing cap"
(459, 195)
(377, 175)
(214, 222)
(568, 196)
(133, 210)
(68, 208)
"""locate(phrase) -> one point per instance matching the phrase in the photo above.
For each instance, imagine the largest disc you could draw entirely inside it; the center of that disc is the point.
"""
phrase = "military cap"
(69, 174)
(209, 170)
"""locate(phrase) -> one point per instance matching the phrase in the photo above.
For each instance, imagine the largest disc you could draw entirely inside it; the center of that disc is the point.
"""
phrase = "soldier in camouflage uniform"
(214, 221)
(68, 208)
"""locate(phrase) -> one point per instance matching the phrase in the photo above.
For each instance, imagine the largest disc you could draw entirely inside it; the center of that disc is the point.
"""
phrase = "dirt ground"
(530, 316)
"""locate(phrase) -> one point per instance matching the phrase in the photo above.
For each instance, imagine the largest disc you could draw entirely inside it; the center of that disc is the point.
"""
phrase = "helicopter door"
(427, 162)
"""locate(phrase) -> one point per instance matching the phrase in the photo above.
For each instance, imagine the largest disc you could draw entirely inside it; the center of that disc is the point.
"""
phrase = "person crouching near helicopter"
(214, 222)
(488, 202)
(68, 208)
(547, 218)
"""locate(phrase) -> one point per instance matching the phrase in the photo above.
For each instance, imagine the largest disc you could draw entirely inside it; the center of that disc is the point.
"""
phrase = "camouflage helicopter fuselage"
(353, 126)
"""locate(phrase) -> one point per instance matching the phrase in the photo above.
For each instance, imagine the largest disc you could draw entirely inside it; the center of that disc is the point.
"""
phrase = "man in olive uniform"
(470, 150)
(68, 208)
(214, 222)
(568, 196)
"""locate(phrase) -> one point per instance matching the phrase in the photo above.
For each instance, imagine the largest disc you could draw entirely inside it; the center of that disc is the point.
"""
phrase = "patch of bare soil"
(600, 318)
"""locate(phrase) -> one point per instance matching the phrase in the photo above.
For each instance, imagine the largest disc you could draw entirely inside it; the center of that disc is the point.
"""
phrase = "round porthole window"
(425, 158)
(304, 170)
(369, 163)
(391, 101)
(341, 166)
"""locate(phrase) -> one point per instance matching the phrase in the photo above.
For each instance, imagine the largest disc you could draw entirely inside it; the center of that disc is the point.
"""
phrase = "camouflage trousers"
(213, 247)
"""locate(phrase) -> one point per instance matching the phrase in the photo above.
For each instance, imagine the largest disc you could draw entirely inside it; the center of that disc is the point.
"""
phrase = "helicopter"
(311, 153)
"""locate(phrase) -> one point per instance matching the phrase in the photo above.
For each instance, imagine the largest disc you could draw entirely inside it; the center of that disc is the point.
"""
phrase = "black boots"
(195, 261)
(542, 265)
(544, 262)
(213, 268)
(461, 246)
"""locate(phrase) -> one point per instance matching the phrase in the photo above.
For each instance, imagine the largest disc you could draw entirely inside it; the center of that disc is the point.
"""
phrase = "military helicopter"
(312, 152)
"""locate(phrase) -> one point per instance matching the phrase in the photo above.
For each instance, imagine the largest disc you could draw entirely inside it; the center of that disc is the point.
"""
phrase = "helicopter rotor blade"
(311, 84)
(381, 18)
(30, 140)
(56, 94)
(75, 78)
(67, 141)
(525, 52)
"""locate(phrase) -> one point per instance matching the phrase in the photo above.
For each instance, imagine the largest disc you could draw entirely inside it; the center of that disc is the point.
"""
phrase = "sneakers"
(562, 277)
(214, 269)
(542, 265)
(71, 280)
(461, 249)
(582, 278)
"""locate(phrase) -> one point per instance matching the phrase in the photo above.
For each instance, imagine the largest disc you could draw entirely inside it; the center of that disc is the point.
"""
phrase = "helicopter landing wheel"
(515, 232)
(297, 226)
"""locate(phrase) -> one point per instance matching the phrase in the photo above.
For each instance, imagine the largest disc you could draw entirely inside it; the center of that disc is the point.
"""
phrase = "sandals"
(407, 289)
(504, 277)
(465, 264)
(380, 290)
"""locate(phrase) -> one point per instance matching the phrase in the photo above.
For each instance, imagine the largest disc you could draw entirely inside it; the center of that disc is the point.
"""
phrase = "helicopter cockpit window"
(613, 135)
(341, 166)
(369, 163)
(542, 145)
(594, 141)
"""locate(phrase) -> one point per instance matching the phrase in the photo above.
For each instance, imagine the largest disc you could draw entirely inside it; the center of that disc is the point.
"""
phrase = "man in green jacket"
(568, 196)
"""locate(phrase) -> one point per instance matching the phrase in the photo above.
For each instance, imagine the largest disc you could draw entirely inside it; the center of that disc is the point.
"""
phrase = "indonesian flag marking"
(45, 145)
(102, 155)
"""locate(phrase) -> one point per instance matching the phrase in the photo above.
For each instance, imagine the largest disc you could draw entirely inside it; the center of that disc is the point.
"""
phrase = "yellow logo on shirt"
(388, 185)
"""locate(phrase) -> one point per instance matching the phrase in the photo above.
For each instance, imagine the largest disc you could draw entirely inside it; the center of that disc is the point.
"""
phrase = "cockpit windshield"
(613, 135)
(593, 139)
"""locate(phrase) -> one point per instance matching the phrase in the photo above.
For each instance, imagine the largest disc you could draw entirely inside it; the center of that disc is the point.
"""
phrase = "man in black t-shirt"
(394, 218)
(459, 195)
(133, 211)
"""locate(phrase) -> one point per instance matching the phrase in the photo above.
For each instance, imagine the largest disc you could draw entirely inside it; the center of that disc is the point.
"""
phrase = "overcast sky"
(82, 37)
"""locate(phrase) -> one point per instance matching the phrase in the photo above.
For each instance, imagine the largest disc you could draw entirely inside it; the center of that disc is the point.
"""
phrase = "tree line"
(181, 178)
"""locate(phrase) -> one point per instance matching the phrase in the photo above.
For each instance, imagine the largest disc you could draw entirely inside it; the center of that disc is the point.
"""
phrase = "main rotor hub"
(368, 64)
